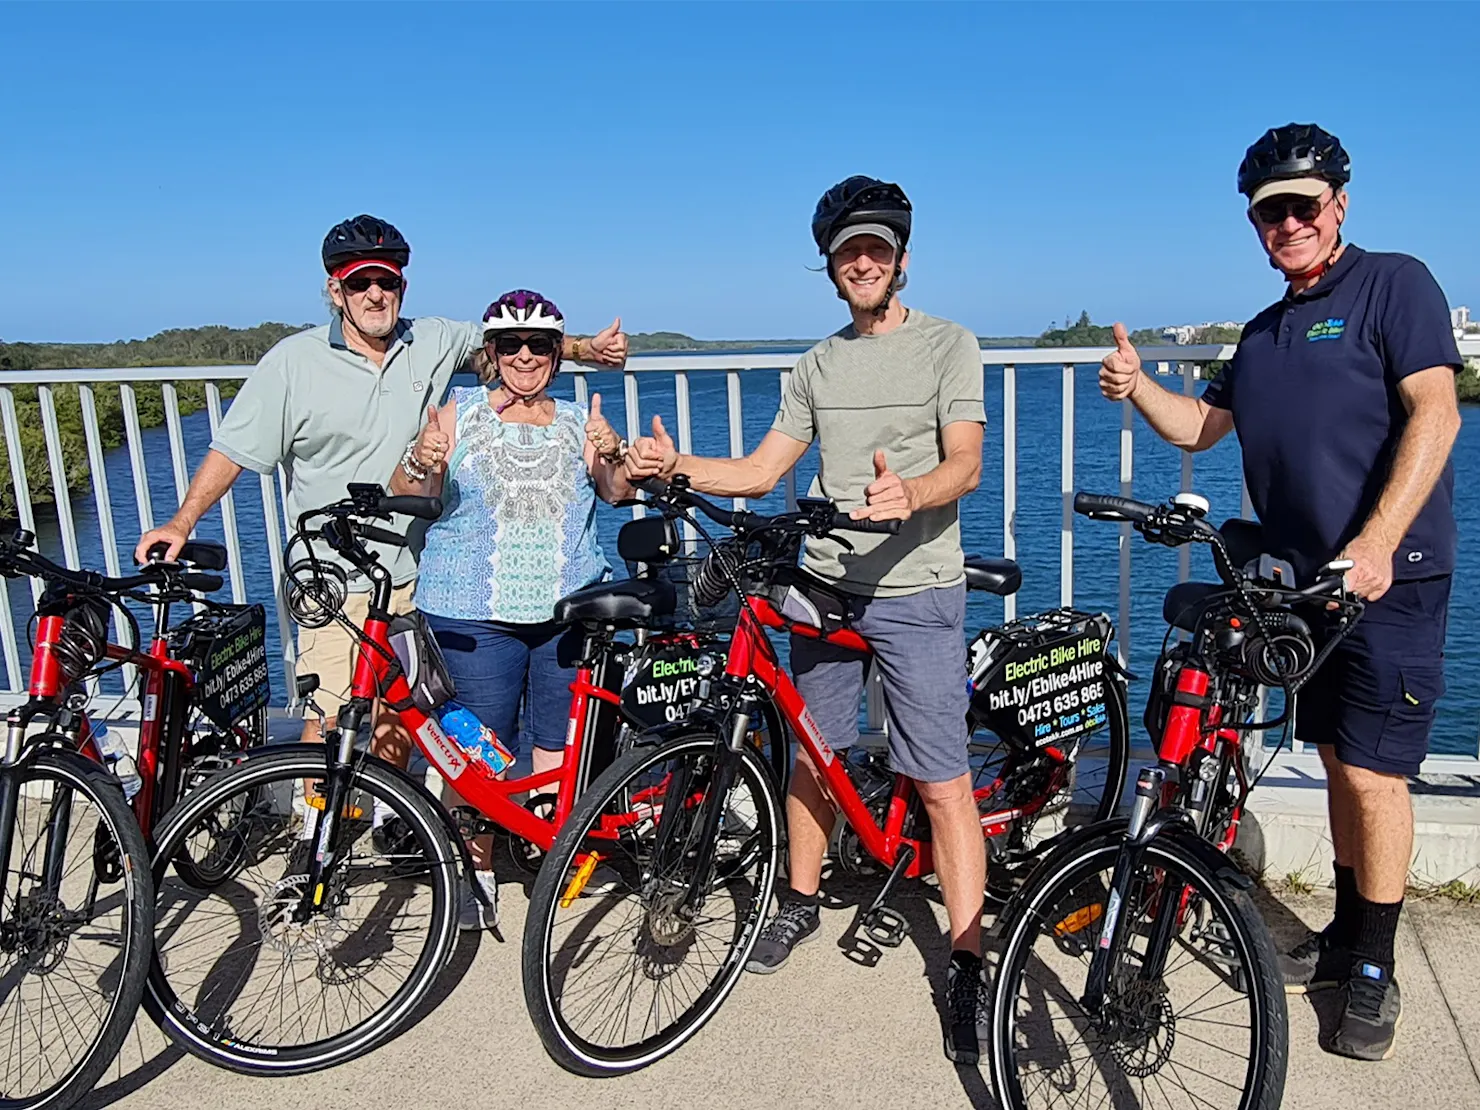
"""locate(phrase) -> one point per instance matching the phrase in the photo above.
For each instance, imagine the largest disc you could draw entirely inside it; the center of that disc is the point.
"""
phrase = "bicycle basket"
(706, 599)
(422, 661)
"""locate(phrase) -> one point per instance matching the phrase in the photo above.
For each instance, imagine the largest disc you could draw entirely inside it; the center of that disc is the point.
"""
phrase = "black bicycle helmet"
(861, 200)
(1295, 150)
(364, 237)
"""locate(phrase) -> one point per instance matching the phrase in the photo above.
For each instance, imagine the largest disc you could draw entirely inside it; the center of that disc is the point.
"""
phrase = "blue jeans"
(496, 665)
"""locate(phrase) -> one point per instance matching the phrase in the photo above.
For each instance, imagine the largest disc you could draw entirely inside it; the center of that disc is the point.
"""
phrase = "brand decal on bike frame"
(151, 706)
(815, 735)
(449, 759)
(1112, 911)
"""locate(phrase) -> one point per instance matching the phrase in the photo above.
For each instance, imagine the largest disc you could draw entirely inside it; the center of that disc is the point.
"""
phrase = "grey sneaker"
(1315, 964)
(1370, 1011)
(794, 923)
(969, 1003)
(472, 914)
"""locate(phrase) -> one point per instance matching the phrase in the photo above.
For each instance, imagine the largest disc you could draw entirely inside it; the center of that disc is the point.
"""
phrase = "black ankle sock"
(1374, 927)
(801, 899)
(1343, 924)
(966, 961)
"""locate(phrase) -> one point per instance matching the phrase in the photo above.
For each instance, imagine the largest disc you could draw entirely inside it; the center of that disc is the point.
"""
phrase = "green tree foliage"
(208, 346)
(1085, 333)
(1469, 382)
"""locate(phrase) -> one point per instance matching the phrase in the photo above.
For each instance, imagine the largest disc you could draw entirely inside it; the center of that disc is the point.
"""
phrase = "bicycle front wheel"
(262, 976)
(76, 931)
(1194, 1011)
(639, 925)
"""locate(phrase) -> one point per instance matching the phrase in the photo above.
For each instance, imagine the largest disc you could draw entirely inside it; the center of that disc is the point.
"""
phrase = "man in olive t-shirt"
(894, 402)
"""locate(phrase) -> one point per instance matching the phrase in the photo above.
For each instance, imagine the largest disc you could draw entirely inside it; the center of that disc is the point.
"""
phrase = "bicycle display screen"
(230, 653)
(1040, 689)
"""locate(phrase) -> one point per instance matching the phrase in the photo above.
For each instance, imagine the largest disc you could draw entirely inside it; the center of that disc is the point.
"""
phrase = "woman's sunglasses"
(541, 346)
(1276, 210)
(358, 283)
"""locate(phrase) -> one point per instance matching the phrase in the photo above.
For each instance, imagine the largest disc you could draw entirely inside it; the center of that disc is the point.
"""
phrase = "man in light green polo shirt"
(339, 404)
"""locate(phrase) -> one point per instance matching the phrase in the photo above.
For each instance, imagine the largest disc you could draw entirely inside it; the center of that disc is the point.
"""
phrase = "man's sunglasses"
(358, 283)
(1276, 210)
(541, 346)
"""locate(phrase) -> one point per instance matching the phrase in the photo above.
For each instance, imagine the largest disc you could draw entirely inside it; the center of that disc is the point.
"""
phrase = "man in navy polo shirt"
(1342, 395)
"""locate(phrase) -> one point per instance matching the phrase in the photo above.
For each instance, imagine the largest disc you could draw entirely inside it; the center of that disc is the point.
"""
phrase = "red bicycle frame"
(751, 654)
(473, 779)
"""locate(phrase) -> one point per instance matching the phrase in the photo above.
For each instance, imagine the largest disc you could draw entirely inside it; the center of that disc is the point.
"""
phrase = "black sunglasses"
(1276, 210)
(358, 284)
(541, 346)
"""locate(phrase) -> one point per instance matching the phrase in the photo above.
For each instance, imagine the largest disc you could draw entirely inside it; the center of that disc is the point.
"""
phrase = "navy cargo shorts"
(919, 645)
(1373, 699)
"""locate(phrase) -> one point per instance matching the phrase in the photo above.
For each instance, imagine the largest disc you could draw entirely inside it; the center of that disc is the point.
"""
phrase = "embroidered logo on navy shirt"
(1330, 328)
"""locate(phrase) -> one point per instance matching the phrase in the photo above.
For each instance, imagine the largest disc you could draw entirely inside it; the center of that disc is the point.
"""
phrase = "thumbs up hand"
(608, 347)
(1120, 370)
(608, 444)
(433, 443)
(887, 496)
(652, 456)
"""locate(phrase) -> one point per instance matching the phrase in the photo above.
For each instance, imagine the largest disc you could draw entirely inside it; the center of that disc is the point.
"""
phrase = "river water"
(1039, 392)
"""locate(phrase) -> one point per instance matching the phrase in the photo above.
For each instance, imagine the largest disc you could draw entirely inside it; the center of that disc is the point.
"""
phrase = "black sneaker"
(794, 923)
(968, 1003)
(1370, 1011)
(1315, 964)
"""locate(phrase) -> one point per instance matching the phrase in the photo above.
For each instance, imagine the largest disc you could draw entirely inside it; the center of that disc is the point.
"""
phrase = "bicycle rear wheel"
(239, 980)
(76, 931)
(1202, 1027)
(619, 976)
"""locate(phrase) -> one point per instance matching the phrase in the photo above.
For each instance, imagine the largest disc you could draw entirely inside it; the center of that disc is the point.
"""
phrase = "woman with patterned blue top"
(519, 473)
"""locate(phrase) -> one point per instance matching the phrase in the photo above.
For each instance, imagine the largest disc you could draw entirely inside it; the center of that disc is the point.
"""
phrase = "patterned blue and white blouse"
(518, 524)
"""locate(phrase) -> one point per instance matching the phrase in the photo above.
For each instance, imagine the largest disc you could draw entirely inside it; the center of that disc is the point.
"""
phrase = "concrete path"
(824, 1032)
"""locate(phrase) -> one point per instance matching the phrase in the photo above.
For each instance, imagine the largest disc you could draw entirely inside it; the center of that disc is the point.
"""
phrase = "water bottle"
(111, 747)
(473, 736)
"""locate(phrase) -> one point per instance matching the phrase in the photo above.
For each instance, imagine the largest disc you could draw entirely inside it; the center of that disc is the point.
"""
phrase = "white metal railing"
(679, 367)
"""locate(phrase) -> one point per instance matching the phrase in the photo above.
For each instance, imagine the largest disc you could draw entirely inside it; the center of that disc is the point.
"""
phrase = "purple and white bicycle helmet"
(523, 310)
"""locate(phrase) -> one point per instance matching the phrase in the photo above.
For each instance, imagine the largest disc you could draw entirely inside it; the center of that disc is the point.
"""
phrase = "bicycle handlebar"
(381, 535)
(423, 508)
(742, 520)
(1105, 505)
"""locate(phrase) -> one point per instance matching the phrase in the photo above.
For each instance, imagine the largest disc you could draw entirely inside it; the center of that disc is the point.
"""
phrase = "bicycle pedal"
(886, 927)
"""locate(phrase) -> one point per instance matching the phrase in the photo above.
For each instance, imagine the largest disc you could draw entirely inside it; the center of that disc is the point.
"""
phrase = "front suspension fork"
(336, 789)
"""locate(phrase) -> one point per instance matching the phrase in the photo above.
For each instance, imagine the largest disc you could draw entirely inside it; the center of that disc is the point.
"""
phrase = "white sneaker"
(472, 914)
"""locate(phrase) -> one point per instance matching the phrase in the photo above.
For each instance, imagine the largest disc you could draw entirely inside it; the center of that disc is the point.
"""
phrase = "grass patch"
(1457, 891)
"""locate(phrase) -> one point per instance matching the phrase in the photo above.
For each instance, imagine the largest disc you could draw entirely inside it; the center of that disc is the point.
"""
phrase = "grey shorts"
(920, 648)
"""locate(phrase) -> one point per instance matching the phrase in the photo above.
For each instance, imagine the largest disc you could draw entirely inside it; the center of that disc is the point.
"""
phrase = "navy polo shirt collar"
(1329, 280)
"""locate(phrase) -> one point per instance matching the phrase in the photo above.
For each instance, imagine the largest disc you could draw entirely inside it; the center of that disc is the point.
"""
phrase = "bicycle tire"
(1263, 1084)
(542, 996)
(115, 817)
(199, 1025)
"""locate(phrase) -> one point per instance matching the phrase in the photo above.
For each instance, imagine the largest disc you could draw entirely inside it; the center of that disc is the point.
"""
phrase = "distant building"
(1459, 320)
(1183, 334)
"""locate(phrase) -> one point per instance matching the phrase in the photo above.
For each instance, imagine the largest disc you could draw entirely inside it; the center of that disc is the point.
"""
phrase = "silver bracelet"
(413, 469)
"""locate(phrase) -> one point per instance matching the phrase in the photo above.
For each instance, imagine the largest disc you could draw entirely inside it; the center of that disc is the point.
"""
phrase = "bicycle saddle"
(996, 576)
(626, 603)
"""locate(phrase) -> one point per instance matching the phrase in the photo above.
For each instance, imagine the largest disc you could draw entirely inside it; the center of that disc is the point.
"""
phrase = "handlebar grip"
(201, 581)
(424, 508)
(157, 551)
(842, 522)
(1091, 504)
(655, 486)
(380, 535)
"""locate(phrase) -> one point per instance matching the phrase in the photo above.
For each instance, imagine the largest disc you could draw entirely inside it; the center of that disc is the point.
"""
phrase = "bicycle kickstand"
(884, 926)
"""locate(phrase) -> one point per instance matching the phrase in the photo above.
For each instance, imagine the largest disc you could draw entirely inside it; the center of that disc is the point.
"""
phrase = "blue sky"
(178, 165)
